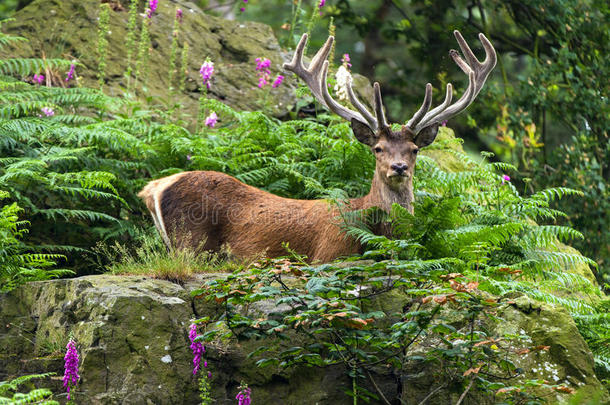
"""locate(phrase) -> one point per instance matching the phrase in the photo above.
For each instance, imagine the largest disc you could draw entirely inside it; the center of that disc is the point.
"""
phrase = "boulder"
(132, 335)
(70, 31)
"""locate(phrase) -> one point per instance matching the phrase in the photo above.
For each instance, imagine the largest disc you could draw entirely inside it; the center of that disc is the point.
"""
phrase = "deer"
(208, 210)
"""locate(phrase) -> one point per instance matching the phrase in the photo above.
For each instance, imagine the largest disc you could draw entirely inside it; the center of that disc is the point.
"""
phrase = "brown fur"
(220, 210)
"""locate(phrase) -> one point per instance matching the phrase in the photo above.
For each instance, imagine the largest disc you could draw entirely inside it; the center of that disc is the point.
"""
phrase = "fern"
(9, 396)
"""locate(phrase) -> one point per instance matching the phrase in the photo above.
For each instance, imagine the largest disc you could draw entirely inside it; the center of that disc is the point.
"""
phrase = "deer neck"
(383, 195)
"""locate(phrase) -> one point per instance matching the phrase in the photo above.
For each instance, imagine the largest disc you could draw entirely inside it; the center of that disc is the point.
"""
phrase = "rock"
(70, 31)
(132, 334)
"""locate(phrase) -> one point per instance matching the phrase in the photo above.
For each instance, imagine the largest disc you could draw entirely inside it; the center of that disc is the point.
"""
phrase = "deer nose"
(399, 168)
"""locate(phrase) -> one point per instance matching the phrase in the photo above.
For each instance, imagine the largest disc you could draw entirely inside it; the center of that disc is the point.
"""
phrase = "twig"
(465, 392)
(377, 388)
(434, 391)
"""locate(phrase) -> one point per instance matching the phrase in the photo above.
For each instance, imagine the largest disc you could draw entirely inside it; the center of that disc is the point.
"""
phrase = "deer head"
(395, 151)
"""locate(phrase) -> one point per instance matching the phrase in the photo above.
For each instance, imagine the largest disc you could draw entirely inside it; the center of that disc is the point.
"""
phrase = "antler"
(477, 74)
(315, 77)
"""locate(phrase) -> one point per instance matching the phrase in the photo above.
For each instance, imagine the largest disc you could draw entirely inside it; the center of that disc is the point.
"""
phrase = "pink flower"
(345, 60)
(278, 81)
(262, 80)
(38, 78)
(179, 15)
(196, 347)
(262, 64)
(48, 111)
(505, 179)
(70, 74)
(207, 70)
(70, 366)
(211, 120)
(243, 397)
(242, 9)
(152, 7)
(262, 67)
(321, 4)
(444, 123)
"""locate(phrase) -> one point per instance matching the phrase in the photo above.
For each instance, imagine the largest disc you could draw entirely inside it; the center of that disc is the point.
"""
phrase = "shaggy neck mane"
(383, 196)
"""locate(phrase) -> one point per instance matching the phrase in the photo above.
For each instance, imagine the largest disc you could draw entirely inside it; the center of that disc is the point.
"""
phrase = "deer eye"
(378, 149)
(415, 151)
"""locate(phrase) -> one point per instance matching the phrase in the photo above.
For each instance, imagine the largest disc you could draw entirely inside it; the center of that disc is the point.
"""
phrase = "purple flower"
(70, 74)
(345, 60)
(211, 120)
(48, 111)
(278, 80)
(444, 123)
(38, 78)
(321, 4)
(196, 347)
(71, 366)
(262, 67)
(243, 397)
(505, 179)
(179, 15)
(207, 70)
(262, 80)
(262, 64)
(242, 9)
(189, 157)
(152, 7)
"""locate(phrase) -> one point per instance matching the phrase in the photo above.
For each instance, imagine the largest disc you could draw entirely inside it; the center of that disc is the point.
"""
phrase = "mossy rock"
(70, 31)
(132, 337)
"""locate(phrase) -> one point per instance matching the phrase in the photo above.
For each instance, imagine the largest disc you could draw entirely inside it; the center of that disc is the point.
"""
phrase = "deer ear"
(426, 136)
(363, 133)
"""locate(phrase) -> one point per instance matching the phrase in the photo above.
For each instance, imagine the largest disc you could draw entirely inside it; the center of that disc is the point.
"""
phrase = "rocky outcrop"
(70, 31)
(132, 335)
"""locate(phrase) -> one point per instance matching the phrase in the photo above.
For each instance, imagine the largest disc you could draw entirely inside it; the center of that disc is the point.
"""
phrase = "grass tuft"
(150, 257)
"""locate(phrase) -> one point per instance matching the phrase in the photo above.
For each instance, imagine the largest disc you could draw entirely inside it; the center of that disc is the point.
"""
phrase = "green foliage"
(17, 265)
(173, 58)
(102, 43)
(204, 391)
(130, 45)
(143, 54)
(594, 328)
(10, 396)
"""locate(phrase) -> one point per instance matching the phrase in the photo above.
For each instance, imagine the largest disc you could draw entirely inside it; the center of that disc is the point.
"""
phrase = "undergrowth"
(149, 256)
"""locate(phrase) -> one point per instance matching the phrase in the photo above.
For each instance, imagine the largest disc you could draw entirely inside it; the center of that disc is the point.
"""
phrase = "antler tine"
(379, 114)
(481, 70)
(477, 75)
(311, 74)
(335, 107)
(440, 108)
(315, 77)
(454, 109)
(425, 106)
(359, 106)
(297, 60)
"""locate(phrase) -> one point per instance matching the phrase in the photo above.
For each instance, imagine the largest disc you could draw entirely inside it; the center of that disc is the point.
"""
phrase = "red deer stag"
(205, 210)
